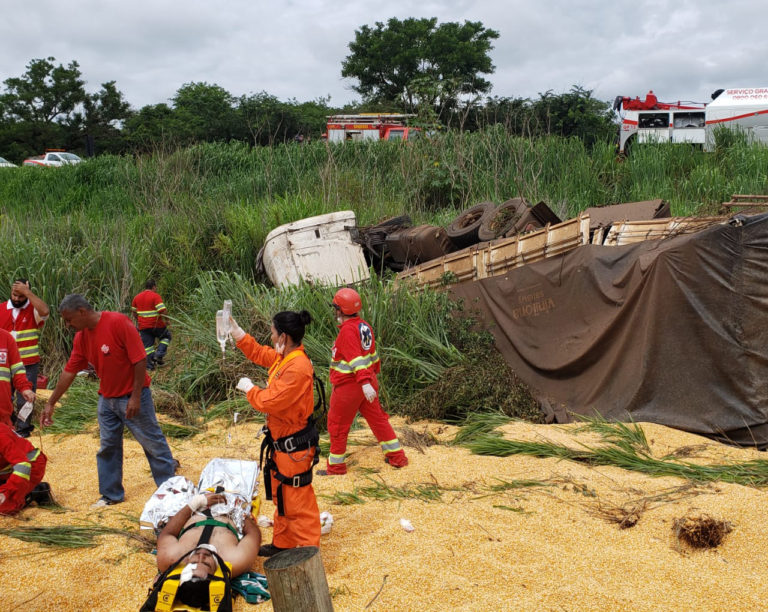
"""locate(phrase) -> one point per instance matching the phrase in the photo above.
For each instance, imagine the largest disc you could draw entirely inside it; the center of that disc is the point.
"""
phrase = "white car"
(4, 163)
(53, 158)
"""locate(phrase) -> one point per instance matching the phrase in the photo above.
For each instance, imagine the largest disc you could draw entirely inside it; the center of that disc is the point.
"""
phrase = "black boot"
(41, 495)
(267, 550)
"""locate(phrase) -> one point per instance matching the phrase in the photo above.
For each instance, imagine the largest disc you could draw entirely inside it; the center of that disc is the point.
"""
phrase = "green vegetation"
(196, 218)
(72, 536)
(624, 446)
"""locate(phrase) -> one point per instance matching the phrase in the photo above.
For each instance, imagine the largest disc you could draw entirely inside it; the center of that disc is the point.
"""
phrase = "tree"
(392, 61)
(208, 110)
(44, 93)
(575, 113)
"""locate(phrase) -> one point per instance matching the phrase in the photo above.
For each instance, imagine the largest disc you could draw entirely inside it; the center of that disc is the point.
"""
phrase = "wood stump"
(296, 580)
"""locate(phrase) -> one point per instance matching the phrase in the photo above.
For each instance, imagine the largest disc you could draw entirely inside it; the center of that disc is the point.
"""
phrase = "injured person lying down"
(207, 536)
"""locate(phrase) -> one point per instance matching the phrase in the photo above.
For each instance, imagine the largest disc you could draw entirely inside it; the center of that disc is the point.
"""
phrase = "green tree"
(208, 111)
(574, 113)
(392, 61)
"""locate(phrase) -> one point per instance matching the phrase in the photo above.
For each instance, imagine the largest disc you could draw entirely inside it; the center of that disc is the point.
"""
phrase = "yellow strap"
(273, 371)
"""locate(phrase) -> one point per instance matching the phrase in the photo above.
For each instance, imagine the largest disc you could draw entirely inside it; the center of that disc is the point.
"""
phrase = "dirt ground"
(481, 546)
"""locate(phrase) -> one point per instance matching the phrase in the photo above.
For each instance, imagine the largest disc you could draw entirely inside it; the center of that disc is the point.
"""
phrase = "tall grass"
(196, 218)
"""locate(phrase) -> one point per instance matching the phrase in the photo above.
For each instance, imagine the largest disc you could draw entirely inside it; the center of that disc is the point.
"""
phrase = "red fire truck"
(369, 127)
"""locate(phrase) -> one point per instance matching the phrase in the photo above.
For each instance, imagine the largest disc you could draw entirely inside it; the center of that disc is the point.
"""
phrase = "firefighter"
(354, 366)
(22, 467)
(291, 440)
(152, 321)
(24, 316)
(11, 371)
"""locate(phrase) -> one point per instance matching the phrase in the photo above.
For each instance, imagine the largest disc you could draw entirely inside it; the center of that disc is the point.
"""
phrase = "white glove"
(245, 384)
(369, 392)
(235, 330)
(198, 502)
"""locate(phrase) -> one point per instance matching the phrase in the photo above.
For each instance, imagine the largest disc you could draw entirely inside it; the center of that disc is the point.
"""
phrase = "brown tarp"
(602, 216)
(670, 331)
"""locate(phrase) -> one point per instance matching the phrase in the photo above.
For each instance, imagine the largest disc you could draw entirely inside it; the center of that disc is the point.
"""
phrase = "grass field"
(196, 218)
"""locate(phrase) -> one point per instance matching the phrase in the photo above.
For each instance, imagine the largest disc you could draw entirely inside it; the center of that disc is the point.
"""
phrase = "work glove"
(369, 392)
(245, 384)
(198, 502)
(235, 330)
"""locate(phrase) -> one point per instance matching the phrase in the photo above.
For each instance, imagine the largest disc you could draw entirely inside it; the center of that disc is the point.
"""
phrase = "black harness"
(304, 439)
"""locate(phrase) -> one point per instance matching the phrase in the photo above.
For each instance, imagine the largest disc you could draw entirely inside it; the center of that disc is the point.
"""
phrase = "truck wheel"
(502, 220)
(464, 228)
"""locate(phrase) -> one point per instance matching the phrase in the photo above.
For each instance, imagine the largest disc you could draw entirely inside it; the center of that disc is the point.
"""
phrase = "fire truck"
(649, 120)
(369, 127)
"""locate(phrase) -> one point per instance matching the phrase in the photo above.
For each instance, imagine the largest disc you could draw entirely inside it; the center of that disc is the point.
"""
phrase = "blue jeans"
(144, 427)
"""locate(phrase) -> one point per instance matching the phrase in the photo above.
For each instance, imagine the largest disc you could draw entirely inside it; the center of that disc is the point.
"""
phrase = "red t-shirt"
(148, 307)
(113, 347)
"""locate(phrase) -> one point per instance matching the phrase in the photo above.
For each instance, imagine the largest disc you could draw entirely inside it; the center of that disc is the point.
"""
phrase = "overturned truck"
(671, 330)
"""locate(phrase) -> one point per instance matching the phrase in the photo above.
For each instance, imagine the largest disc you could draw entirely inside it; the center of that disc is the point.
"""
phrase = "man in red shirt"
(24, 316)
(109, 342)
(149, 311)
(354, 366)
(22, 467)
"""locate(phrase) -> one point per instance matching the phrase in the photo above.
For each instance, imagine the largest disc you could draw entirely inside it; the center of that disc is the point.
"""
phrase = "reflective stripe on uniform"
(29, 351)
(5, 374)
(33, 454)
(150, 349)
(165, 341)
(357, 364)
(27, 334)
(390, 446)
(18, 368)
(147, 313)
(335, 459)
(22, 470)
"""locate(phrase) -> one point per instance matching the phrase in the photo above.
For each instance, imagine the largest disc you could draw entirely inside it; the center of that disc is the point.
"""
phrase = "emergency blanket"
(671, 331)
(237, 480)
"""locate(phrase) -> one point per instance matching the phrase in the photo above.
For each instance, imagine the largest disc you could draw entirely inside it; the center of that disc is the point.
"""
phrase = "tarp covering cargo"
(671, 331)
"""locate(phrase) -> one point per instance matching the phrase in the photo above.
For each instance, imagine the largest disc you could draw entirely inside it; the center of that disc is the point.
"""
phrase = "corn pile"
(477, 544)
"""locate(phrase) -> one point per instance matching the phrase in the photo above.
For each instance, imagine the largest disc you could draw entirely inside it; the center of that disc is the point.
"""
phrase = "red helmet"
(348, 301)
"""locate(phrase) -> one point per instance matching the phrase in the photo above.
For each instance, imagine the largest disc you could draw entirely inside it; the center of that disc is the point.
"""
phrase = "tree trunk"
(296, 579)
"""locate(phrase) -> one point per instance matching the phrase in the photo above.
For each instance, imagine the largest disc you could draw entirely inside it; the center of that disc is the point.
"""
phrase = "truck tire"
(502, 220)
(464, 228)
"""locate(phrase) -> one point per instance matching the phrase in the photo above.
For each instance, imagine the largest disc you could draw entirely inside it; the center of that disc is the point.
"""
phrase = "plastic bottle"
(222, 330)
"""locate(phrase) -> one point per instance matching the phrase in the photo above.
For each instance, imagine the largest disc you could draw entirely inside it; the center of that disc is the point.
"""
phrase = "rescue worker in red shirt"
(12, 376)
(150, 314)
(354, 366)
(291, 439)
(22, 467)
(111, 343)
(24, 316)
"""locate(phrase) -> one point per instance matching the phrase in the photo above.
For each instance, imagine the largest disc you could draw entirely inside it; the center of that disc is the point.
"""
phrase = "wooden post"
(296, 580)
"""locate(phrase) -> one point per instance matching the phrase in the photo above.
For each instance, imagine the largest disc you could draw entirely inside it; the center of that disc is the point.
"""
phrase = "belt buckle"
(297, 481)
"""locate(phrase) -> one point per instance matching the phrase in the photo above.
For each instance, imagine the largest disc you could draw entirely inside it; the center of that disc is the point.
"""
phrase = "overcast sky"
(683, 50)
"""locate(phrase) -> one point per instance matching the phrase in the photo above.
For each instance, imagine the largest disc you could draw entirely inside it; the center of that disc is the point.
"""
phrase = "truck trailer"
(650, 120)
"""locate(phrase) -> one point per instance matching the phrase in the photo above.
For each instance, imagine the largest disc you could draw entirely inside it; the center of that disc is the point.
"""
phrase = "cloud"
(294, 49)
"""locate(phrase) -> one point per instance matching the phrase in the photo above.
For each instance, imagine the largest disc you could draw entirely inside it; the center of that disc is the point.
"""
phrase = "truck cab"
(53, 157)
(370, 127)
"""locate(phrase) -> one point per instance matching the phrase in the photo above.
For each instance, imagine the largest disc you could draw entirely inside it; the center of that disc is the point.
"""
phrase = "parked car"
(53, 157)
(4, 163)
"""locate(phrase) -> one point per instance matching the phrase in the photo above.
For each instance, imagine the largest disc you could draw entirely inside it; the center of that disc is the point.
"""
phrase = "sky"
(293, 49)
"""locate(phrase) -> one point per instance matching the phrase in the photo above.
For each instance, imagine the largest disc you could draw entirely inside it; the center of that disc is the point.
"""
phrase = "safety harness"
(304, 439)
(163, 593)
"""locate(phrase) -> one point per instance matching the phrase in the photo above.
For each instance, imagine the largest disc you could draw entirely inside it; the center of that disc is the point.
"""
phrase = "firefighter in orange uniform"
(354, 366)
(22, 467)
(291, 440)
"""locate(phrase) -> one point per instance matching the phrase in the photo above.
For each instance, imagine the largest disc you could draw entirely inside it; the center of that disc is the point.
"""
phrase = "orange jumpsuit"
(288, 402)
